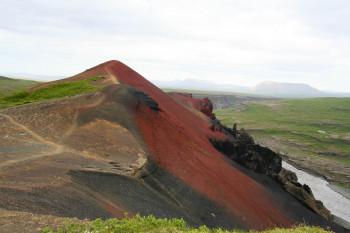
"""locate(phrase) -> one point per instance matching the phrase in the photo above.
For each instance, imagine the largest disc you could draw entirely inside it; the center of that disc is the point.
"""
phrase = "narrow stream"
(335, 202)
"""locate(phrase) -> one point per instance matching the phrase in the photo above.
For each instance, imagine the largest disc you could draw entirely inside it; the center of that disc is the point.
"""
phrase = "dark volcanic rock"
(287, 176)
(303, 193)
(141, 96)
(241, 148)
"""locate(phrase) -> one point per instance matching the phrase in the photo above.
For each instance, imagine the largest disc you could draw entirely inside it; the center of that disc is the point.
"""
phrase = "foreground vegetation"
(54, 91)
(317, 127)
(9, 85)
(151, 224)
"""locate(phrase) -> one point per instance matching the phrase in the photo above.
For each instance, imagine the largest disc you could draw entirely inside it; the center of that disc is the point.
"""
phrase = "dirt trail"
(57, 147)
(8, 163)
(114, 79)
(32, 133)
(112, 76)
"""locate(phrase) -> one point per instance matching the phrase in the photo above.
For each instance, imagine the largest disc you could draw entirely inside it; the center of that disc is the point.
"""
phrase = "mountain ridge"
(287, 89)
(265, 88)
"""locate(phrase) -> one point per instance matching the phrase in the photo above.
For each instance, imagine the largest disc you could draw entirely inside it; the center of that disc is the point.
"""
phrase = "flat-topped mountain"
(265, 89)
(107, 142)
(287, 90)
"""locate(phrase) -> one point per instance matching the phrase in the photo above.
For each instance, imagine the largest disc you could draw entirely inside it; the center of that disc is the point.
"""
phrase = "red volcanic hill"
(131, 148)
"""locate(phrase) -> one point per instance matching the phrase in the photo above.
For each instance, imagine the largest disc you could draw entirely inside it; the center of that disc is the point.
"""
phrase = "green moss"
(151, 224)
(54, 91)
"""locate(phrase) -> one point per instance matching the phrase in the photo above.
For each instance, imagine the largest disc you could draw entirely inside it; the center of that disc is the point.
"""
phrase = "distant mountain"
(196, 84)
(287, 90)
(267, 89)
(293, 90)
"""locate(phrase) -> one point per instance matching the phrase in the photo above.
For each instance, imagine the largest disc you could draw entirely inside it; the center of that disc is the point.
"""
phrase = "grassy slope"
(9, 85)
(54, 91)
(312, 127)
(151, 224)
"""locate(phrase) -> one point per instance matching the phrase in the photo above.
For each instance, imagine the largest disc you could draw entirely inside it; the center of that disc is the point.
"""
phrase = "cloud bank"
(239, 42)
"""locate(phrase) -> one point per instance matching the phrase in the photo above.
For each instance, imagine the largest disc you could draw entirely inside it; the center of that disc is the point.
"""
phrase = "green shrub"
(16, 97)
(151, 224)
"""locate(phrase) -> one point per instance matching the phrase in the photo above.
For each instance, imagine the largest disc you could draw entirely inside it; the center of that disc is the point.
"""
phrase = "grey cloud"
(225, 41)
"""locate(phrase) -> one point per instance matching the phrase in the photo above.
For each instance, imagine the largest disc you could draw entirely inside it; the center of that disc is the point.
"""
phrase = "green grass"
(151, 224)
(9, 85)
(207, 93)
(313, 127)
(54, 91)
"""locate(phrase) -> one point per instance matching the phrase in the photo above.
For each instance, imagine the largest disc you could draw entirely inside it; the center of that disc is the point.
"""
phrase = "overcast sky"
(241, 42)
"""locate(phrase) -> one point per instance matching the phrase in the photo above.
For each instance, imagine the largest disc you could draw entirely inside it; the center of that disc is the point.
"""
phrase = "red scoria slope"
(179, 142)
(179, 134)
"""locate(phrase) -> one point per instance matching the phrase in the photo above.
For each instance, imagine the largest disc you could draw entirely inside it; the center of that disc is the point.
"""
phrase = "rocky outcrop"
(202, 105)
(303, 193)
(206, 107)
(151, 103)
(240, 147)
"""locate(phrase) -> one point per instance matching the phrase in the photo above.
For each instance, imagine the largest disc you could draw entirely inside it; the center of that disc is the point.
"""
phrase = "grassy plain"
(305, 127)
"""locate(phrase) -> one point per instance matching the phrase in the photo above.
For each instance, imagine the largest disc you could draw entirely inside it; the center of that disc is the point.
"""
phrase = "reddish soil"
(202, 105)
(179, 142)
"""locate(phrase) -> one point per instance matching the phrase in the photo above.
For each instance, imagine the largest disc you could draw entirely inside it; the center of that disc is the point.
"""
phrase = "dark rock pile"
(241, 148)
(303, 193)
(151, 103)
